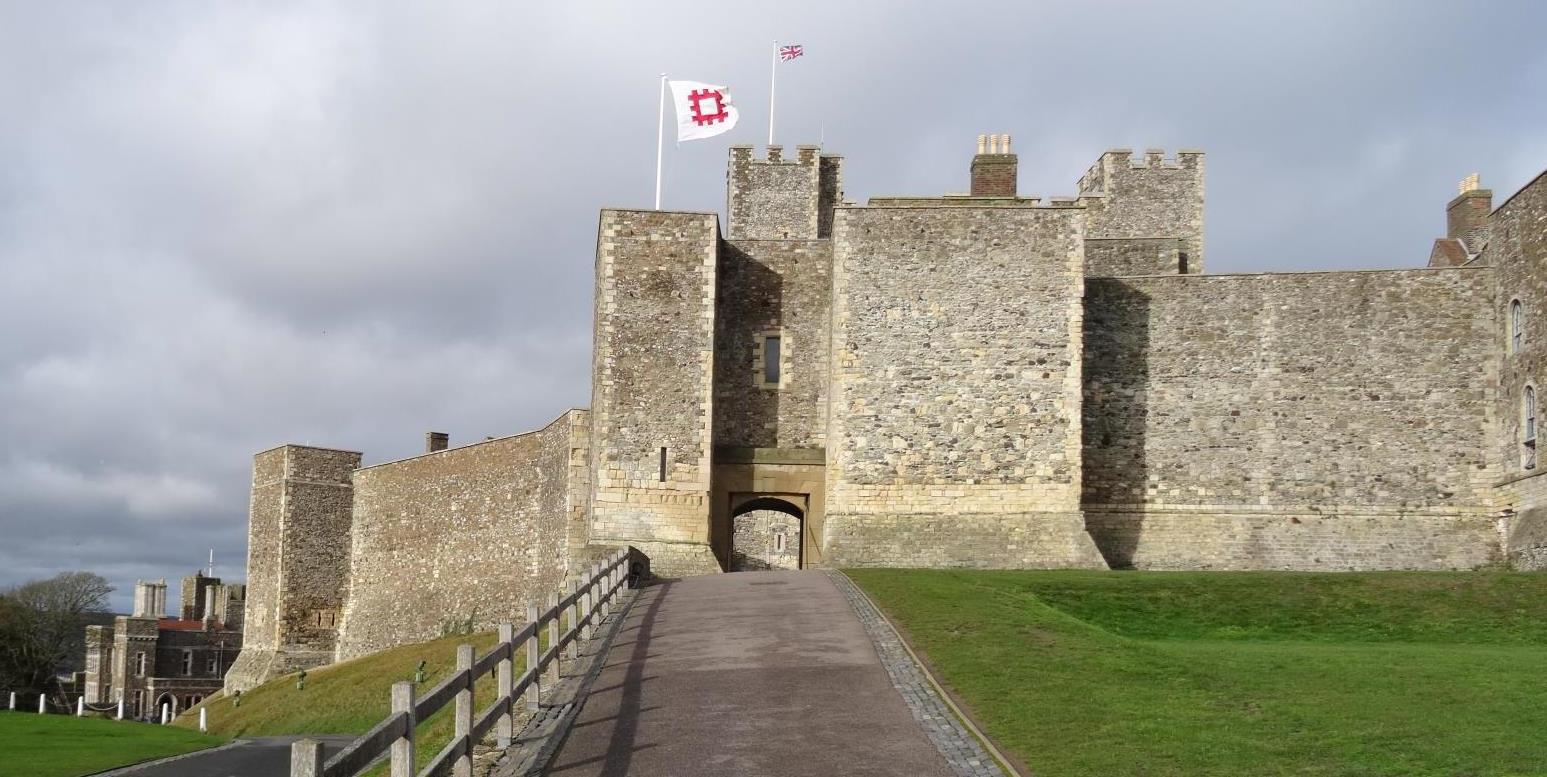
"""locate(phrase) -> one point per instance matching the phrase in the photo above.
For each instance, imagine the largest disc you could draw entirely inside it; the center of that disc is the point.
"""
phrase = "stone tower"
(298, 546)
(1144, 216)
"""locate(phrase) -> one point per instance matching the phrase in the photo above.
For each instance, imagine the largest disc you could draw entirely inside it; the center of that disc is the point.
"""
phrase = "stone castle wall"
(1291, 421)
(954, 432)
(468, 535)
(772, 286)
(1517, 250)
(652, 386)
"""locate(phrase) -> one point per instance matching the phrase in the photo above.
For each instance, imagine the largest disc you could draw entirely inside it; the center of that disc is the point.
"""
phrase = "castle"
(150, 661)
(974, 380)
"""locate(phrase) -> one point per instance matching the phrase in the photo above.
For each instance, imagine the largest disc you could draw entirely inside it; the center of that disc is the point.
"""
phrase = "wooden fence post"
(463, 766)
(403, 748)
(554, 635)
(504, 679)
(585, 609)
(533, 693)
(573, 610)
(601, 589)
(306, 758)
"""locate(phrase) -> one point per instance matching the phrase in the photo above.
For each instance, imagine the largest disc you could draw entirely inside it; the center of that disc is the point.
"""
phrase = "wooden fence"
(582, 606)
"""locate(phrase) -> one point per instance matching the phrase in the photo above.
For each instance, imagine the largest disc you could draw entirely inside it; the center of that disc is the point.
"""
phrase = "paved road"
(262, 757)
(748, 674)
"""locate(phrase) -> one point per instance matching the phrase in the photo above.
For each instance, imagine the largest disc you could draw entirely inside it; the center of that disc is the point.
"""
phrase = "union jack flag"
(787, 53)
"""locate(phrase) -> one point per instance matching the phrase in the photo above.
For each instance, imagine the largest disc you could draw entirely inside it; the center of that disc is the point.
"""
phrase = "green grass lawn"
(34, 745)
(1134, 673)
(350, 697)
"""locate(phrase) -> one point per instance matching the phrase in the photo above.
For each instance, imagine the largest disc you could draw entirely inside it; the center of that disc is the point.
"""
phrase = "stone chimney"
(993, 167)
(436, 441)
(1466, 217)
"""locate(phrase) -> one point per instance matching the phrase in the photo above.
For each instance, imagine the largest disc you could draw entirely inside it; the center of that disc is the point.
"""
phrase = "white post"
(166, 713)
(660, 141)
(42, 703)
(13, 701)
(120, 709)
(203, 720)
(773, 81)
(80, 707)
(403, 747)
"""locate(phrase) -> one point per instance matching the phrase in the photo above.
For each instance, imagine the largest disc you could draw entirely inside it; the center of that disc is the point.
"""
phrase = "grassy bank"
(348, 697)
(1086, 673)
(63, 746)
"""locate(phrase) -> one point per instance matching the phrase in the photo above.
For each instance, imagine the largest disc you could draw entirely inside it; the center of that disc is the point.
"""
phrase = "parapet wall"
(468, 535)
(954, 432)
(1291, 421)
(778, 199)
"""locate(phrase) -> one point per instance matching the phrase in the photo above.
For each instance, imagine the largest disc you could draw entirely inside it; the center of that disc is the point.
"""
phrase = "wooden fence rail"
(581, 607)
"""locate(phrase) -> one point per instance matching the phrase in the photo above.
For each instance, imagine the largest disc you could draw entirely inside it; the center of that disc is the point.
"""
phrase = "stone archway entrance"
(766, 534)
(166, 707)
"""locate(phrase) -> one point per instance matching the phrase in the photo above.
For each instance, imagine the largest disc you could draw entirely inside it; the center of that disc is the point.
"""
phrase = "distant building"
(152, 661)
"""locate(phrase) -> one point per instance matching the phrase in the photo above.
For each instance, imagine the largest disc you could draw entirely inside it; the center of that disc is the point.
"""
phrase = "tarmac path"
(261, 757)
(748, 674)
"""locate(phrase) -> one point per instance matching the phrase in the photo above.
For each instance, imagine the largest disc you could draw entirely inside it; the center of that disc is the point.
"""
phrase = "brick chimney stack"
(993, 167)
(1466, 217)
(436, 441)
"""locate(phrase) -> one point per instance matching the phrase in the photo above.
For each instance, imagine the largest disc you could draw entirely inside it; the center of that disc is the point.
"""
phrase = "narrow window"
(212, 666)
(1181, 263)
(779, 542)
(1516, 326)
(663, 464)
(187, 662)
(1528, 427)
(139, 664)
(771, 359)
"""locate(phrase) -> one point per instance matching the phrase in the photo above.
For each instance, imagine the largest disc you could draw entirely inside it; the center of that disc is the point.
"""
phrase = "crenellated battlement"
(1098, 177)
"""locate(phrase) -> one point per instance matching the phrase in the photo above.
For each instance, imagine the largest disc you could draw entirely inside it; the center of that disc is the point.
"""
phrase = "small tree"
(41, 620)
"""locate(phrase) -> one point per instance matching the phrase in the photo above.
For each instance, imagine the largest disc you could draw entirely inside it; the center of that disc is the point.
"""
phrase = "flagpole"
(773, 81)
(660, 141)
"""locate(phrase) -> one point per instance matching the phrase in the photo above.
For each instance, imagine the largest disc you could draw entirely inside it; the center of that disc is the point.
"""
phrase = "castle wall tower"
(652, 384)
(1144, 217)
(778, 199)
(194, 595)
(99, 664)
(298, 542)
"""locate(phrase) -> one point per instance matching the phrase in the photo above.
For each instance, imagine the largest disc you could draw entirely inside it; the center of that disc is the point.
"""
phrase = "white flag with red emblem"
(703, 110)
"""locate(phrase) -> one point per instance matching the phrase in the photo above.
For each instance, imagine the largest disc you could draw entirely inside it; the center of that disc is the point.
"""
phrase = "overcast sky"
(226, 226)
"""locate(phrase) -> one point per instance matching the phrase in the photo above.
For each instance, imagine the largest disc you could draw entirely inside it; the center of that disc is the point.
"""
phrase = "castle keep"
(979, 380)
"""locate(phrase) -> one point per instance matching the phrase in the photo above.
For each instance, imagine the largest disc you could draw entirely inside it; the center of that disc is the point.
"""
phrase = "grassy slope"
(64, 746)
(1085, 673)
(350, 697)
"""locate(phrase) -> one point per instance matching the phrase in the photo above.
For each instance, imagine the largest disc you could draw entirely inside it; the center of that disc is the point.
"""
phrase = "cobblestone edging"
(965, 754)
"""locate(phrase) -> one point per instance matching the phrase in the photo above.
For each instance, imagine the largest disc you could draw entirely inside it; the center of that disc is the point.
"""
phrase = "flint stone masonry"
(469, 535)
(780, 286)
(1146, 198)
(955, 382)
(778, 199)
(297, 560)
(1305, 420)
(652, 385)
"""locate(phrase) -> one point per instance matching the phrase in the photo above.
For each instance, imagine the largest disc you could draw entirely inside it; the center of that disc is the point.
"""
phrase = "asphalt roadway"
(747, 674)
(261, 757)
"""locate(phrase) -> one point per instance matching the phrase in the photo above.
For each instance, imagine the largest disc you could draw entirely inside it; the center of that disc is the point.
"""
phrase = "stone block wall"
(1147, 198)
(297, 560)
(782, 287)
(468, 535)
(955, 424)
(1291, 421)
(652, 386)
(1517, 250)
